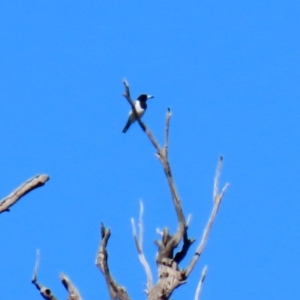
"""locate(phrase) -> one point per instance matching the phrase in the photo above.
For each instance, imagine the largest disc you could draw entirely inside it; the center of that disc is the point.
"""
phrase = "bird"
(140, 107)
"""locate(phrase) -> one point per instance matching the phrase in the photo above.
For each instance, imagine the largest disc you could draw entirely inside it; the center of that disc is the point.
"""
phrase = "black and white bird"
(140, 107)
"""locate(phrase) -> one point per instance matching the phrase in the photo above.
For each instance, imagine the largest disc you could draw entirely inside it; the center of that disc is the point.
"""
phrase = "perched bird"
(140, 107)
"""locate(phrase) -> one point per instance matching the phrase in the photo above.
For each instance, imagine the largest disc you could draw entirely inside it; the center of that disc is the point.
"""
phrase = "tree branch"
(70, 287)
(200, 284)
(22, 190)
(139, 246)
(116, 291)
(217, 202)
(44, 291)
(168, 118)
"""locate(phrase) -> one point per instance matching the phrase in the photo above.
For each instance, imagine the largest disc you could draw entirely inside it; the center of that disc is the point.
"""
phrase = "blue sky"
(230, 72)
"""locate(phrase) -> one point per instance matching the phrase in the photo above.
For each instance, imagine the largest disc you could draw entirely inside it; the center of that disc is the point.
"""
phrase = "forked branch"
(116, 291)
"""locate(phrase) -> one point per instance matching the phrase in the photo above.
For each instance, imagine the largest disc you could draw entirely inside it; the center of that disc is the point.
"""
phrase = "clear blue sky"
(230, 72)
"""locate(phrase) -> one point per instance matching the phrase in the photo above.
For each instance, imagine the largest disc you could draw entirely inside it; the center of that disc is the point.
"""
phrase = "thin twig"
(44, 291)
(189, 220)
(22, 190)
(217, 179)
(200, 283)
(217, 202)
(141, 224)
(70, 287)
(168, 118)
(138, 239)
(37, 265)
(204, 239)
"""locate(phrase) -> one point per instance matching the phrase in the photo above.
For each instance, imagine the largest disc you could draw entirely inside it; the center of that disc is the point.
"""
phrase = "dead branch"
(116, 291)
(200, 284)
(44, 291)
(168, 118)
(22, 190)
(70, 287)
(217, 202)
(138, 239)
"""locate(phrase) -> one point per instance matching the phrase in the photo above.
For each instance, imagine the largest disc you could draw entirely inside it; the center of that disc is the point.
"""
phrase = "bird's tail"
(126, 126)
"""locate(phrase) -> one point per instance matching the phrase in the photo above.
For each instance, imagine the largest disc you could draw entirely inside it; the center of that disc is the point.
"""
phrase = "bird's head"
(144, 97)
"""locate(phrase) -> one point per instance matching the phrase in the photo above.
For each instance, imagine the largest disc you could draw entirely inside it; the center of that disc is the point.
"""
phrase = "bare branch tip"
(189, 220)
(225, 188)
(44, 178)
(141, 206)
(36, 268)
(169, 113)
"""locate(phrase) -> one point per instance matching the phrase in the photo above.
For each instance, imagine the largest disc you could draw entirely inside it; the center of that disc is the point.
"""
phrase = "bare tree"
(170, 274)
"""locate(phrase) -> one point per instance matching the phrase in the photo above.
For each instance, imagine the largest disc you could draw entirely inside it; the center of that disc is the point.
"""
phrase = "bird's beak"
(149, 97)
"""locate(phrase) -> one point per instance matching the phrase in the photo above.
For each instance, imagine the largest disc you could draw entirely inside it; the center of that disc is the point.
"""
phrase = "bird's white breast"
(140, 111)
